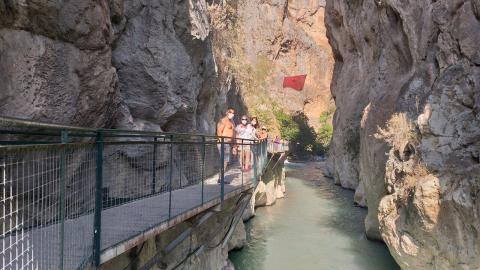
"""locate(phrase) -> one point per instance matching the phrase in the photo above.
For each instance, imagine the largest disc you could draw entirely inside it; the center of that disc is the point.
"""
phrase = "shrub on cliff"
(302, 137)
(289, 129)
(324, 134)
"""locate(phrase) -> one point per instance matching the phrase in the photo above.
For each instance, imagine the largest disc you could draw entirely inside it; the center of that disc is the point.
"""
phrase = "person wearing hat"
(263, 133)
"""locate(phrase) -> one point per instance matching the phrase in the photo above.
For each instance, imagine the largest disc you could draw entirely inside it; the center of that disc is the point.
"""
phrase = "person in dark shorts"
(226, 129)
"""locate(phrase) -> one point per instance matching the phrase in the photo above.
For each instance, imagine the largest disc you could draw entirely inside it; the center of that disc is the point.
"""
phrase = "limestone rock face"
(266, 194)
(407, 89)
(110, 63)
(249, 210)
(162, 65)
(239, 237)
(86, 24)
(275, 39)
(55, 62)
(296, 39)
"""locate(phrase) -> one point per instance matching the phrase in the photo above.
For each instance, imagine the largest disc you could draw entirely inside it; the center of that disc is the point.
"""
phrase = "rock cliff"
(406, 85)
(292, 35)
(263, 41)
(109, 63)
(55, 62)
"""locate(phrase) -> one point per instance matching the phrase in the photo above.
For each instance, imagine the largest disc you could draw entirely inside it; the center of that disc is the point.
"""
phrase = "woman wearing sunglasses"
(247, 132)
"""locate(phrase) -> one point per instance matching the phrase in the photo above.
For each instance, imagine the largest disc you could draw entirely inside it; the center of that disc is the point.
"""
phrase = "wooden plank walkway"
(123, 226)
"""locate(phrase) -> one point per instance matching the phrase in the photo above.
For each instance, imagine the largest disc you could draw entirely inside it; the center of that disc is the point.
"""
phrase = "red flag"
(295, 82)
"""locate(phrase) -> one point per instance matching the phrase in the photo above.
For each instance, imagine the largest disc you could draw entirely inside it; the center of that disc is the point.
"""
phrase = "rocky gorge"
(404, 77)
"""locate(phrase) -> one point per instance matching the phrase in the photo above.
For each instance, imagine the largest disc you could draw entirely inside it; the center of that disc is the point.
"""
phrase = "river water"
(314, 227)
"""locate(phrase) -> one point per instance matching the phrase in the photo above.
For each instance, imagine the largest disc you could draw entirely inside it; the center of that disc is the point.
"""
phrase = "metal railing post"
(154, 165)
(3, 170)
(62, 205)
(265, 154)
(97, 223)
(260, 156)
(170, 179)
(259, 153)
(222, 169)
(180, 163)
(203, 163)
(241, 160)
(255, 163)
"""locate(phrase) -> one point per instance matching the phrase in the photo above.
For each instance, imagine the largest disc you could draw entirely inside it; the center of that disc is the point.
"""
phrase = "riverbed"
(315, 226)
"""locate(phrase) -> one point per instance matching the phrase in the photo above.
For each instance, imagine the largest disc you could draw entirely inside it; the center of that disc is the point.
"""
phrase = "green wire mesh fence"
(69, 194)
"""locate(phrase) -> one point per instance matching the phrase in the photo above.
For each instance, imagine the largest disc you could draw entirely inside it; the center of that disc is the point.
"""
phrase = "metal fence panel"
(34, 210)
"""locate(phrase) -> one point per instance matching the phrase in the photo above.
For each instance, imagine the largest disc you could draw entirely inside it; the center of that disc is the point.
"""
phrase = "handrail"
(17, 122)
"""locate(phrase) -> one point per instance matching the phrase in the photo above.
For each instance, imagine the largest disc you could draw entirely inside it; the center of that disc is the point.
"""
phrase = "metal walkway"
(73, 196)
(118, 223)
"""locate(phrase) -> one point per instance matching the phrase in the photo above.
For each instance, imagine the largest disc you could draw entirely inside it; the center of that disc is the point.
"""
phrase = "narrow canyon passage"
(314, 227)
(390, 95)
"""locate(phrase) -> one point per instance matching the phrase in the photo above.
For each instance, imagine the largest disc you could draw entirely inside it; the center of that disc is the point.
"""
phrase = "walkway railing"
(277, 147)
(70, 194)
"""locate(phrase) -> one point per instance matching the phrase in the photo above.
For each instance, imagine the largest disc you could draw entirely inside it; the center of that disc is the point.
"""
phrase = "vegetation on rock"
(305, 141)
(325, 132)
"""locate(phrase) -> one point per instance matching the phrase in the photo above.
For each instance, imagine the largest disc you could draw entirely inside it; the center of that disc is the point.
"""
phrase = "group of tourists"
(238, 138)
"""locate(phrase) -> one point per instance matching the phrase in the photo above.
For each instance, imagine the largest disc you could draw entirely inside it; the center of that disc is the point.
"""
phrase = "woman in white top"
(247, 132)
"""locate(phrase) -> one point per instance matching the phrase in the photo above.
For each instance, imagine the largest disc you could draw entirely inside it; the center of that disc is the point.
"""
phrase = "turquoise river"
(315, 226)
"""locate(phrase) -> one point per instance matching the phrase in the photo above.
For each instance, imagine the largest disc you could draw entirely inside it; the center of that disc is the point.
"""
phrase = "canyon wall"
(111, 63)
(292, 35)
(263, 41)
(406, 85)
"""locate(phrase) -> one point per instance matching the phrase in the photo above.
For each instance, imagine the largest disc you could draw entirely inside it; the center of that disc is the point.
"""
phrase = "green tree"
(288, 127)
(295, 128)
(324, 134)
